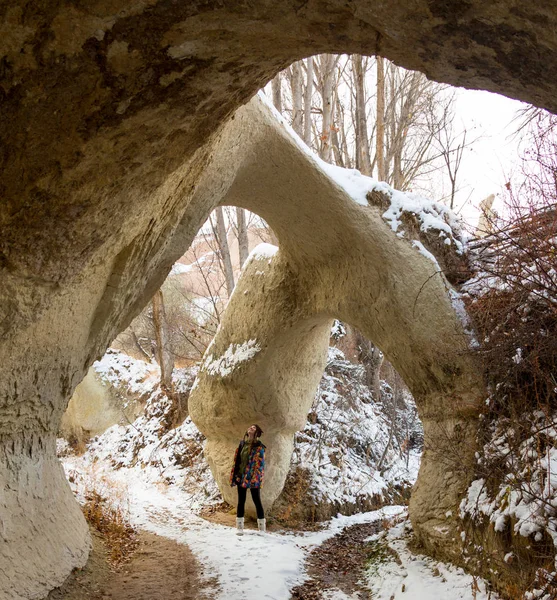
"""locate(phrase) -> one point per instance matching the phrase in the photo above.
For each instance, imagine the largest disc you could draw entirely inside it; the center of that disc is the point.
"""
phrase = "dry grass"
(516, 319)
(77, 444)
(110, 518)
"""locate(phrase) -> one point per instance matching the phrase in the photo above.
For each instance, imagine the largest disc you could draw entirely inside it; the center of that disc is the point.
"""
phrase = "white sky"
(487, 164)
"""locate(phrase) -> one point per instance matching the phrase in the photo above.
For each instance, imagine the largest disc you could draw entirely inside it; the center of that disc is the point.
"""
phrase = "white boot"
(262, 525)
(239, 525)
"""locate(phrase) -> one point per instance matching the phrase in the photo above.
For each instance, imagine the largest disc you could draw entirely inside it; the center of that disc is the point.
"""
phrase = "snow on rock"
(180, 269)
(417, 577)
(233, 356)
(457, 301)
(430, 215)
(122, 371)
(346, 449)
(262, 251)
(425, 252)
(520, 490)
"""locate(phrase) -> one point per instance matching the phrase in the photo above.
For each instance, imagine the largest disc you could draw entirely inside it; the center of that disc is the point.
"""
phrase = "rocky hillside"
(356, 452)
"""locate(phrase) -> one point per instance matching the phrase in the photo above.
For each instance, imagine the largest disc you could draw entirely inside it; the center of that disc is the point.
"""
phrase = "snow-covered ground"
(160, 478)
(256, 566)
(419, 577)
(346, 450)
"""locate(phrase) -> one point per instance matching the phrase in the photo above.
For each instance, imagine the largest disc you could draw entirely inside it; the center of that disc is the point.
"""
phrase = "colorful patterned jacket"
(252, 477)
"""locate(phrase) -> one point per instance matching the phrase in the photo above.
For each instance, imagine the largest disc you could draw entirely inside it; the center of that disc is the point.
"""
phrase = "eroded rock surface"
(110, 111)
(269, 352)
(97, 403)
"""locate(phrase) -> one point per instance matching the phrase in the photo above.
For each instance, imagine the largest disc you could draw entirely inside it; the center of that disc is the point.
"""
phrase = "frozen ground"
(255, 567)
(419, 577)
(345, 450)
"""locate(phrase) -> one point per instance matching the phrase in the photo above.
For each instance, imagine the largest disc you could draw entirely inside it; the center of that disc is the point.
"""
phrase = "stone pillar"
(263, 367)
(43, 534)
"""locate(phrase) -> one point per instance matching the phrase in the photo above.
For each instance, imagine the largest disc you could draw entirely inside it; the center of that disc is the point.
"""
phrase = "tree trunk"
(380, 133)
(224, 251)
(297, 98)
(307, 101)
(408, 94)
(360, 126)
(397, 178)
(371, 358)
(276, 86)
(342, 139)
(243, 242)
(335, 142)
(328, 64)
(163, 353)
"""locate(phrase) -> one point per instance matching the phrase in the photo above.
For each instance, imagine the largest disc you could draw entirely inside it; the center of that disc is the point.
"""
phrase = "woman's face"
(252, 431)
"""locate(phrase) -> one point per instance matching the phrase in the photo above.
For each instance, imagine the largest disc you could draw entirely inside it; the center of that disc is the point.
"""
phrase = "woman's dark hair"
(258, 431)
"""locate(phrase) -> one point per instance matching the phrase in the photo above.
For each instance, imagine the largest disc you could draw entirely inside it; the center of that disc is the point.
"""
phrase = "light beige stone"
(94, 407)
(351, 265)
(99, 166)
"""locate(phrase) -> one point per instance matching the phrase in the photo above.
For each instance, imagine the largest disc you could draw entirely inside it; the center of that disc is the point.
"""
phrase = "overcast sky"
(490, 120)
(486, 166)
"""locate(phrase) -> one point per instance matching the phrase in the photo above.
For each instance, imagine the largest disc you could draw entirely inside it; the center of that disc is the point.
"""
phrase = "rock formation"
(90, 410)
(110, 114)
(113, 392)
(353, 264)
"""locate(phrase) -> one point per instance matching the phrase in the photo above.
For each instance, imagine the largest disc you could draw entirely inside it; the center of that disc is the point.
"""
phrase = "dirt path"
(339, 564)
(159, 568)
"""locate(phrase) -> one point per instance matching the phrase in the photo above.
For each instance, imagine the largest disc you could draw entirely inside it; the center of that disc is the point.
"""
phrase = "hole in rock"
(361, 444)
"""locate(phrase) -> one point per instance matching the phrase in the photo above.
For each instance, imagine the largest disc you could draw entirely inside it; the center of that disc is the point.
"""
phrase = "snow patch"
(418, 577)
(233, 356)
(425, 252)
(526, 496)
(120, 370)
(263, 251)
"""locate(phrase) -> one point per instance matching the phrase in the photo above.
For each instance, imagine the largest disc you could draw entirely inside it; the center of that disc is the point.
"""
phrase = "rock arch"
(110, 114)
(337, 258)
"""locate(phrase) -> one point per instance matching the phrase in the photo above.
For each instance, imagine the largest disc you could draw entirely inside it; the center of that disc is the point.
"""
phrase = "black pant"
(242, 493)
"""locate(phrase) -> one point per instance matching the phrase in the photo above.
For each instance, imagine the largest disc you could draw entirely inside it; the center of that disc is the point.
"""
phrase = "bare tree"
(163, 350)
(243, 242)
(380, 132)
(371, 357)
(452, 156)
(308, 95)
(295, 76)
(413, 123)
(224, 251)
(276, 85)
(363, 160)
(396, 136)
(326, 80)
(138, 346)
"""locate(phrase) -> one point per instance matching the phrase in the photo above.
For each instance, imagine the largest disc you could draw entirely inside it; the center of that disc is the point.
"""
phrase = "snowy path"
(254, 566)
(250, 567)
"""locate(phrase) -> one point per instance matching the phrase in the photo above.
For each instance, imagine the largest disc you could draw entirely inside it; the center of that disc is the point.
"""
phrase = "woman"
(247, 472)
